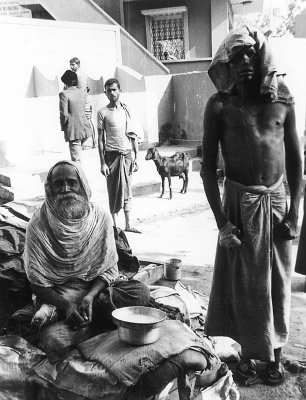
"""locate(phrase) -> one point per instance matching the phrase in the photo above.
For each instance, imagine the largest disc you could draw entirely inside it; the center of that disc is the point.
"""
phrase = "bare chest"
(258, 119)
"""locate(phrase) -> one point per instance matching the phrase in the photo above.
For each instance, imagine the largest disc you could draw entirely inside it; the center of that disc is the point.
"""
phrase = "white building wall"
(31, 124)
(293, 63)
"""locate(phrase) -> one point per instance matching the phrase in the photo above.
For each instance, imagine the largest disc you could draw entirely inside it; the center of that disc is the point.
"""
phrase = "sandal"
(246, 368)
(275, 373)
(133, 230)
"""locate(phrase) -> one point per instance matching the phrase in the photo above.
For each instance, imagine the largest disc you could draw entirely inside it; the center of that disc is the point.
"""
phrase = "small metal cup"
(172, 269)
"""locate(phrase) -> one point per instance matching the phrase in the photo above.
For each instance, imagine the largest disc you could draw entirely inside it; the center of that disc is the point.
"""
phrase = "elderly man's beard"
(70, 205)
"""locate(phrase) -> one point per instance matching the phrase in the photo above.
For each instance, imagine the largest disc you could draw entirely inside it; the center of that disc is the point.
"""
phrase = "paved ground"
(184, 227)
(191, 236)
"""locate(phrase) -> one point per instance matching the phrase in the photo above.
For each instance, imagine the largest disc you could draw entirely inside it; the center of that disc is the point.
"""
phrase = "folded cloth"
(77, 379)
(11, 241)
(17, 360)
(128, 363)
(271, 83)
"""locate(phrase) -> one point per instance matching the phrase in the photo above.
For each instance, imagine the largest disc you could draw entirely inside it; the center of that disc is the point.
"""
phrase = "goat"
(176, 165)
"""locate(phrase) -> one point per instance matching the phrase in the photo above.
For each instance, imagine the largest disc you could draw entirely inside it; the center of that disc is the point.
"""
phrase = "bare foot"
(133, 230)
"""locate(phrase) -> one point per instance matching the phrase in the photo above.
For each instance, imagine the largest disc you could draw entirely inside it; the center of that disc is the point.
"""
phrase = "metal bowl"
(138, 325)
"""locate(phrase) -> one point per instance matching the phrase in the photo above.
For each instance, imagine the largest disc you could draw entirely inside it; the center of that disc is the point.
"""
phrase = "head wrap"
(58, 249)
(245, 36)
(81, 175)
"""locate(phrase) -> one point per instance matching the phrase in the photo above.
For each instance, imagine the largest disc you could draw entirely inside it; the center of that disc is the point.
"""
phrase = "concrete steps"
(141, 189)
(26, 182)
(196, 164)
(19, 185)
(6, 195)
(183, 142)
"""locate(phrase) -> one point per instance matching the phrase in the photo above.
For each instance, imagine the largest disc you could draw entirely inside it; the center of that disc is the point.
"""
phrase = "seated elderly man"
(71, 263)
(71, 258)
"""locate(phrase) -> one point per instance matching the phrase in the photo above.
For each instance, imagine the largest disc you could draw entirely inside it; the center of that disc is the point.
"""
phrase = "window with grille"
(167, 33)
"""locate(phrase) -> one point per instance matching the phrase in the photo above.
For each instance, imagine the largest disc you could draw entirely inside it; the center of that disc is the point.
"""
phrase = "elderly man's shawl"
(58, 249)
(271, 84)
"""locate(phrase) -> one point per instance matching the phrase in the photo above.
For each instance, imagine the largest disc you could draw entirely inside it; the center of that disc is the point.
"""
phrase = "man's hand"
(85, 309)
(288, 228)
(105, 170)
(73, 317)
(228, 236)
(135, 166)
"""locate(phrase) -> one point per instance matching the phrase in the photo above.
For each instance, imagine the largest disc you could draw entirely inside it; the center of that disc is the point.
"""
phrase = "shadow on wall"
(183, 134)
(165, 134)
(165, 110)
(40, 86)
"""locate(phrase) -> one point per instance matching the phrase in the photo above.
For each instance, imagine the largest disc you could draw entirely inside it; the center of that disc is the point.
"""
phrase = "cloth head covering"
(245, 36)
(81, 175)
(59, 249)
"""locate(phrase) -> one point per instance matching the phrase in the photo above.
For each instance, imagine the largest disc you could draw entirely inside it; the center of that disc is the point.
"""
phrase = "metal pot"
(172, 269)
(138, 325)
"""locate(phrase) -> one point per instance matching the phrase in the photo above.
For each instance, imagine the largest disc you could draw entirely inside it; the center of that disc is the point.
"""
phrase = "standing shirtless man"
(252, 117)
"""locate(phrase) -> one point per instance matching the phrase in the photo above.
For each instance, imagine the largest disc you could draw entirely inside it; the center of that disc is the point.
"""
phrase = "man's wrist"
(90, 296)
(98, 286)
(293, 212)
(222, 220)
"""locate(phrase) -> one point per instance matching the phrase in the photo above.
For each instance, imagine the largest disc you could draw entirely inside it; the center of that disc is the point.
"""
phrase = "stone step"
(5, 180)
(143, 188)
(6, 195)
(196, 164)
(23, 184)
(138, 189)
(192, 151)
(183, 142)
(150, 272)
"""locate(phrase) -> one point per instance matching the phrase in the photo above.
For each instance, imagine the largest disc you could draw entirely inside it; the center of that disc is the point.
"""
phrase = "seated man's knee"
(155, 381)
(143, 293)
(192, 360)
(119, 294)
(130, 293)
